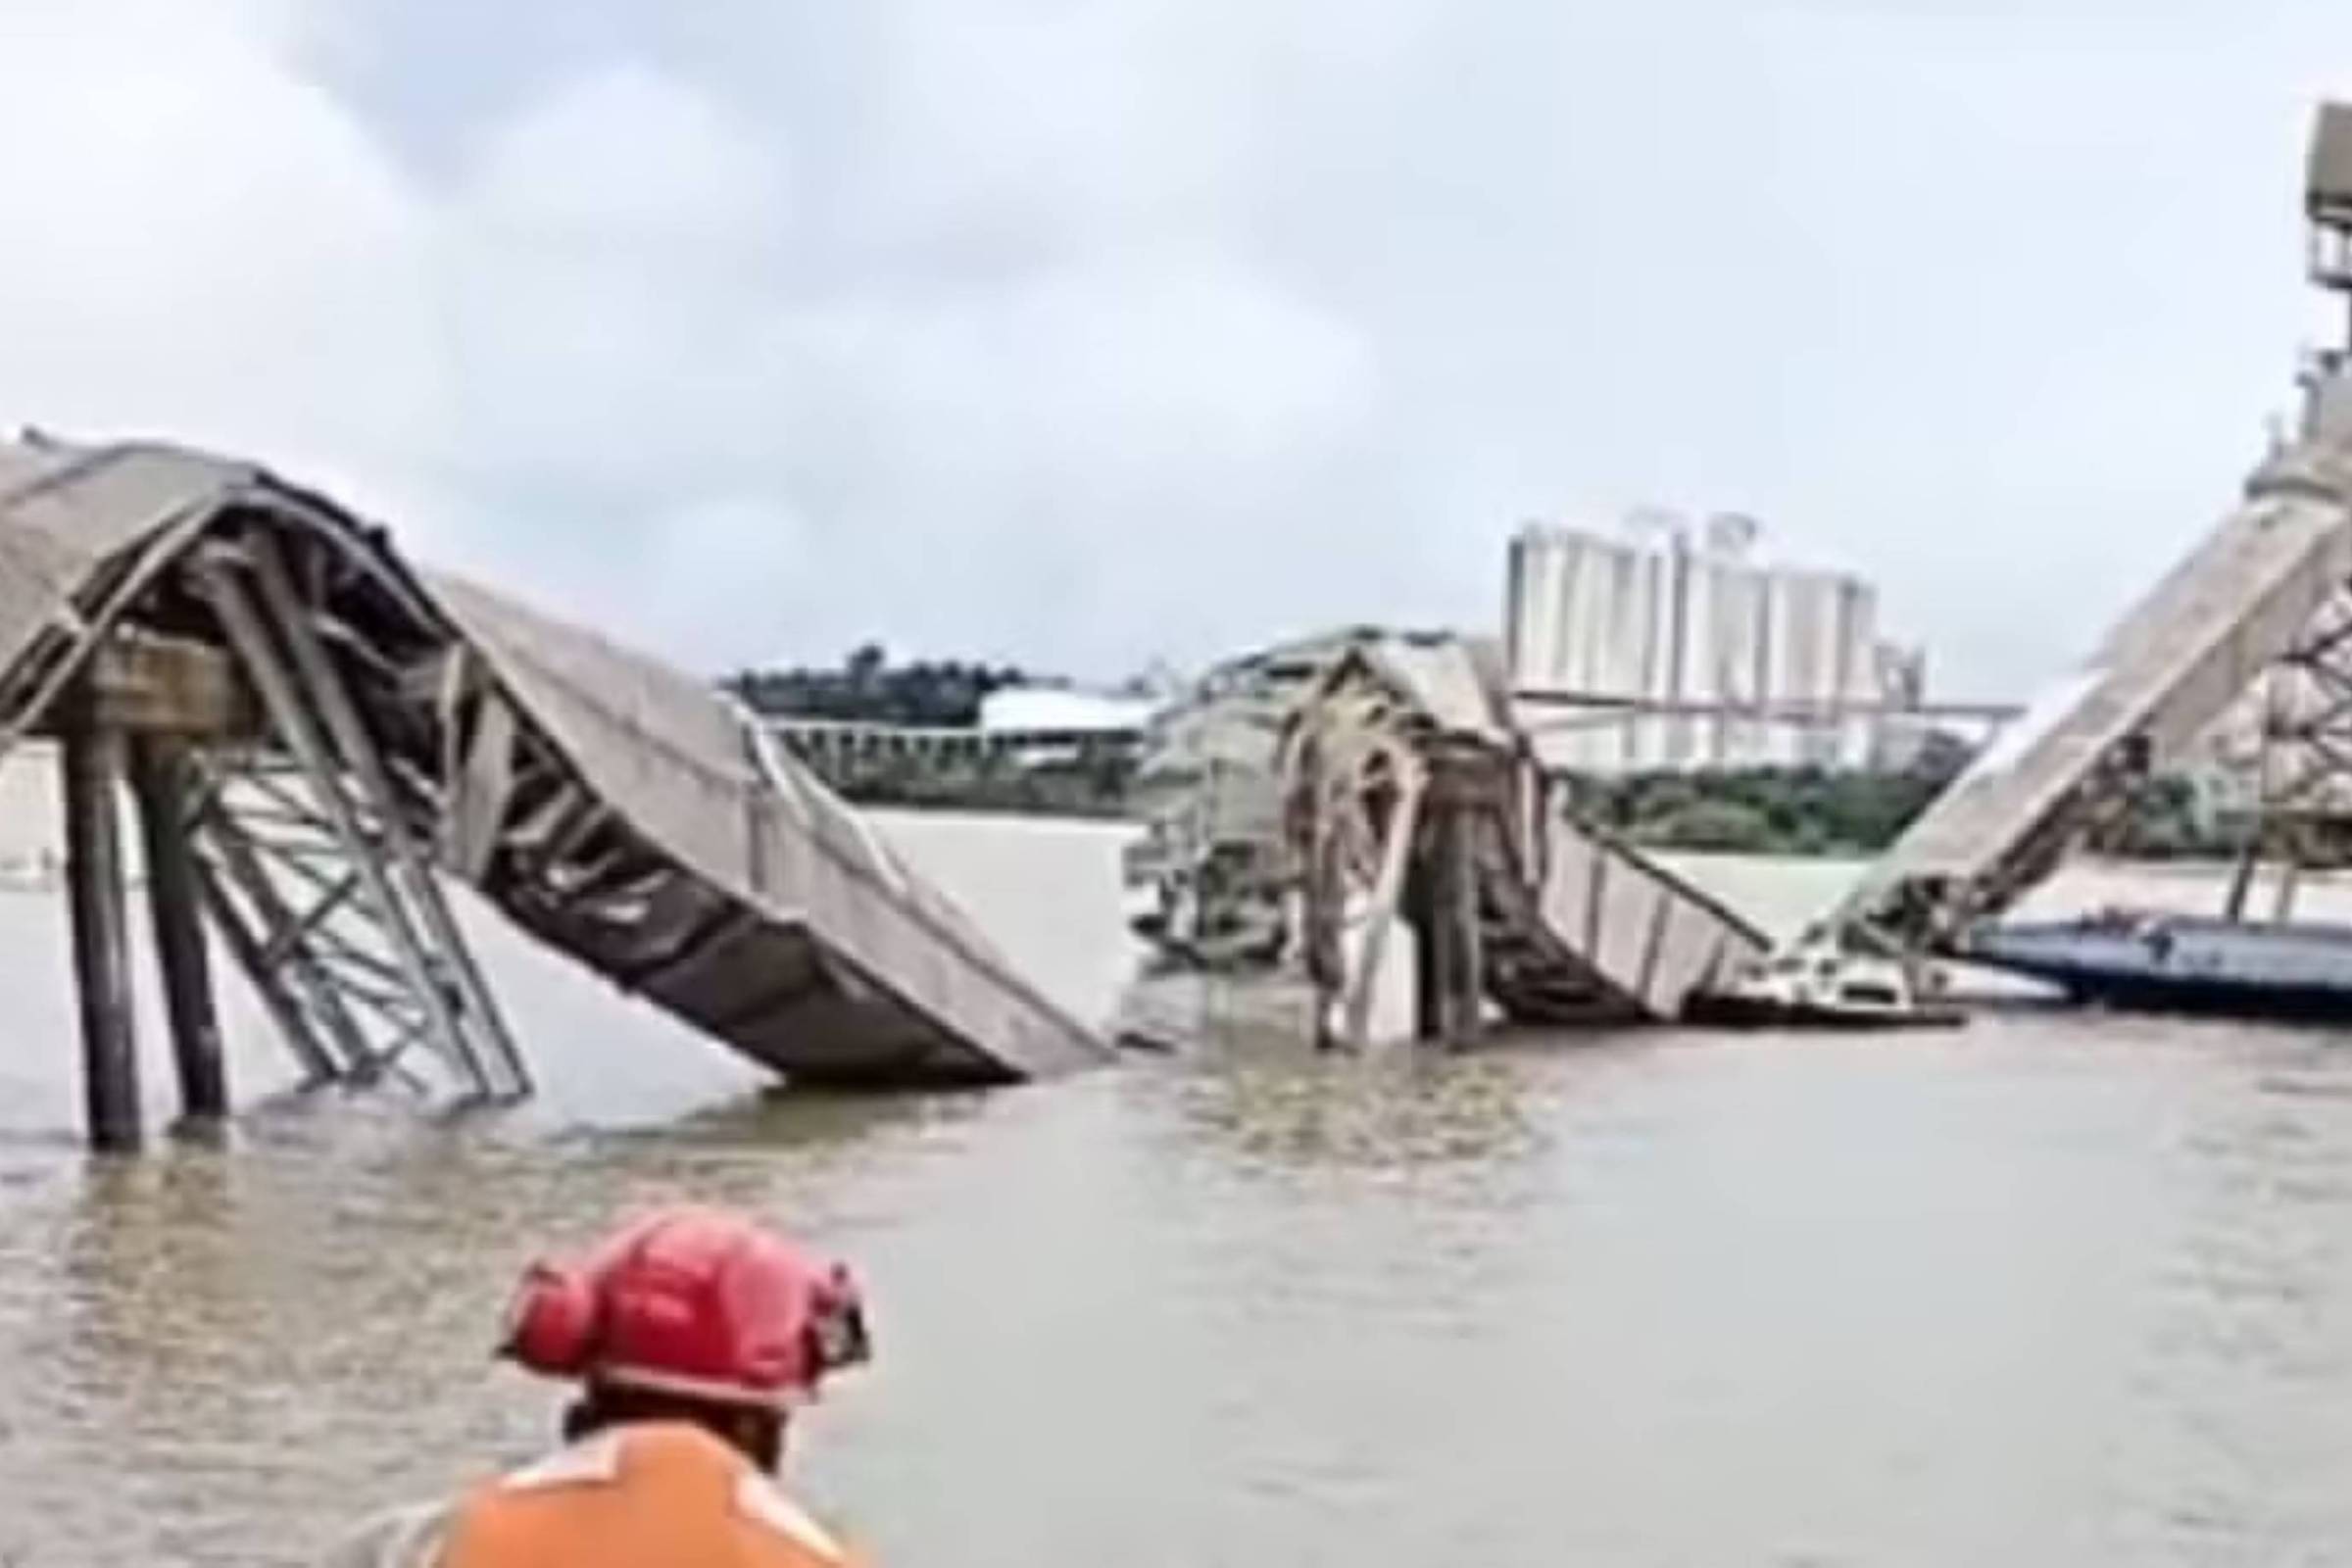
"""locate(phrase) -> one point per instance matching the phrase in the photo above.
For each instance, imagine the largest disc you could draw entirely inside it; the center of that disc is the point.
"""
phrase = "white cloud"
(1100, 365)
(204, 246)
(630, 167)
(636, 319)
(606, 260)
(1078, 332)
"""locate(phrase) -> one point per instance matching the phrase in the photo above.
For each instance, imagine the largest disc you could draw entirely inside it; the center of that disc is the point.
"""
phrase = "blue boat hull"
(2179, 964)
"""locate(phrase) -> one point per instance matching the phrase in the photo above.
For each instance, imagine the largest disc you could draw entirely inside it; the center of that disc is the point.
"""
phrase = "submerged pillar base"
(91, 764)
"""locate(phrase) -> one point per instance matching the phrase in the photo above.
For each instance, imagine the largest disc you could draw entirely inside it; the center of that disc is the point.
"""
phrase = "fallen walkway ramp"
(692, 860)
(389, 728)
(1647, 937)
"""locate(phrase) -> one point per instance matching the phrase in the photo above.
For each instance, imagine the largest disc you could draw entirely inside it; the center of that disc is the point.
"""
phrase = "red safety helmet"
(692, 1301)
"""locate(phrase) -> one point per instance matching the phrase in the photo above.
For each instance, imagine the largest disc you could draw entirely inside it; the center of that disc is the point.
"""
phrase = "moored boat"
(2160, 962)
(1817, 987)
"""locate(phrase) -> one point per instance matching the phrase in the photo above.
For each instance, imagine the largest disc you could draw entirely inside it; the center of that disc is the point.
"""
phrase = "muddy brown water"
(2054, 1290)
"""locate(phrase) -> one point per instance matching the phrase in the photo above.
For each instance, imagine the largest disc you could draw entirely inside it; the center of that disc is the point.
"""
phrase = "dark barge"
(2182, 963)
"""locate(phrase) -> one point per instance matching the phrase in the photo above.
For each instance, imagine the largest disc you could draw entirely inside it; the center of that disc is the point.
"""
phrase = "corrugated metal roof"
(67, 512)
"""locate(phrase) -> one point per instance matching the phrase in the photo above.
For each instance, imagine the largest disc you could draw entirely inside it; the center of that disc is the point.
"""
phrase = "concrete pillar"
(1450, 978)
(2241, 880)
(1469, 944)
(1428, 985)
(91, 761)
(160, 778)
(1326, 960)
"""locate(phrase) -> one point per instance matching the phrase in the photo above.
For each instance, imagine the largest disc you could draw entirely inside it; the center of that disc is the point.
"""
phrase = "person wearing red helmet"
(695, 1336)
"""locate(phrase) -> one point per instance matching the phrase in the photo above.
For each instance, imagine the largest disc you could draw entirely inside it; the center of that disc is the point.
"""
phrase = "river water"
(2053, 1290)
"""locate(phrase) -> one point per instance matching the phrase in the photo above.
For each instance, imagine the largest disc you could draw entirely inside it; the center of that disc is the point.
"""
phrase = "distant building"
(1064, 710)
(1672, 648)
(1046, 725)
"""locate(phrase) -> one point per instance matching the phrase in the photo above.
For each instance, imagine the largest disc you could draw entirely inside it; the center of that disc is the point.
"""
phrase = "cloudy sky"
(1079, 333)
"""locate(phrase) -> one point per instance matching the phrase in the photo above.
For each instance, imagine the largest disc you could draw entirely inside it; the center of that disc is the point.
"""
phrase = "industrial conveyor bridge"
(318, 734)
(2263, 596)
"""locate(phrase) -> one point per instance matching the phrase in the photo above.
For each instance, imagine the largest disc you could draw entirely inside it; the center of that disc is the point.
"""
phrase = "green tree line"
(1825, 811)
(868, 688)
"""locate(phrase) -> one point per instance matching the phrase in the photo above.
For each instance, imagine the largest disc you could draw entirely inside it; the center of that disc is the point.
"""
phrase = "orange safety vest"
(658, 1494)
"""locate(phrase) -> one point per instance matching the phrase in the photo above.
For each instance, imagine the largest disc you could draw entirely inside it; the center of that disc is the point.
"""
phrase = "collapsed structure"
(317, 734)
(1316, 803)
(1371, 738)
(2262, 597)
(2258, 617)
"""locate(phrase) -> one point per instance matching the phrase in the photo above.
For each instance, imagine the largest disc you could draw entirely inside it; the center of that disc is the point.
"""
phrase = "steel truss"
(312, 863)
(319, 735)
(2304, 798)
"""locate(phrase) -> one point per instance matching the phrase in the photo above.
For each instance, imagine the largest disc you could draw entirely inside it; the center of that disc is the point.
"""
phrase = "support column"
(1448, 963)
(2290, 872)
(2241, 880)
(1315, 852)
(1388, 893)
(1429, 955)
(161, 779)
(1466, 958)
(1326, 956)
(91, 760)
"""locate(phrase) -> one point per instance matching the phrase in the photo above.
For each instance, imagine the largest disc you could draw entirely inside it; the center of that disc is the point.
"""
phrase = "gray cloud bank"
(1080, 333)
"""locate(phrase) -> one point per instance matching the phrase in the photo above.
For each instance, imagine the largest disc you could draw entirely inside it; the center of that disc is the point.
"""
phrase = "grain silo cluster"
(1671, 647)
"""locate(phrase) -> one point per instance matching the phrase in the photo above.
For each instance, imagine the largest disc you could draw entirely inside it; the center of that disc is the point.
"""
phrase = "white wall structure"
(1740, 663)
(1064, 710)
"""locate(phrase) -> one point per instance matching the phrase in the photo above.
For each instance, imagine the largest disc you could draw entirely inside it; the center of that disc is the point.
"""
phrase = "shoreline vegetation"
(1794, 814)
(1811, 812)
(1797, 812)
(868, 689)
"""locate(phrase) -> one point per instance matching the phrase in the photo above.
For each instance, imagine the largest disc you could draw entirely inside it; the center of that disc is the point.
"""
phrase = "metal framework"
(311, 868)
(2303, 807)
(354, 735)
(1410, 795)
(313, 880)
(2262, 591)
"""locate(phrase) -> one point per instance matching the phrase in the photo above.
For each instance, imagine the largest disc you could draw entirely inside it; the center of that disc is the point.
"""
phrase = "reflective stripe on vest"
(669, 1494)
